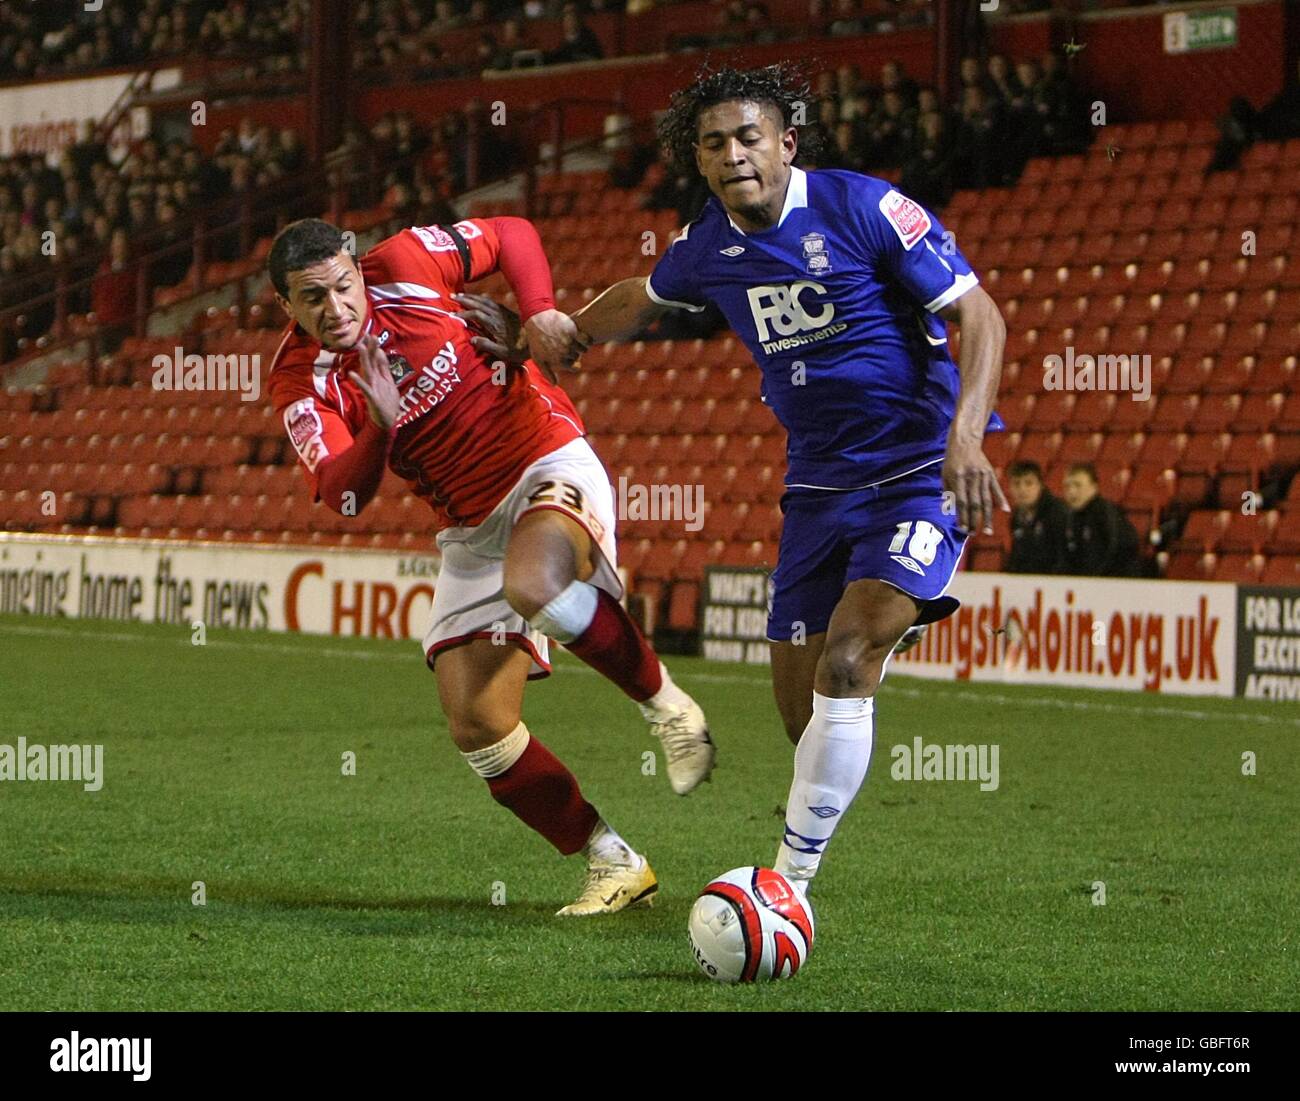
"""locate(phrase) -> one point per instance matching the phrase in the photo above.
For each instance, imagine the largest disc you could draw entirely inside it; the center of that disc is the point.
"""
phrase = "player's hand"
(376, 382)
(498, 327)
(968, 476)
(554, 342)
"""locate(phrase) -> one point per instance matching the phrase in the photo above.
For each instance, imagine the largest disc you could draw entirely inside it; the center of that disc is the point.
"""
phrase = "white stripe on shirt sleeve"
(668, 302)
(960, 286)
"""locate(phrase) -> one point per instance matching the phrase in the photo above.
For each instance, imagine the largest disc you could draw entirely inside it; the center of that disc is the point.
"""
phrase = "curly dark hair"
(783, 86)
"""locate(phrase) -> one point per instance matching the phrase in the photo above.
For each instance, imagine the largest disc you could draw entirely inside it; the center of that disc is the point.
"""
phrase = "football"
(750, 924)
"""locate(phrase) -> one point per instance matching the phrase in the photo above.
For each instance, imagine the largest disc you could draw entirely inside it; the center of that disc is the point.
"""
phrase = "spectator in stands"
(580, 41)
(289, 152)
(12, 292)
(846, 151)
(758, 24)
(927, 172)
(485, 52)
(1238, 129)
(818, 21)
(1065, 124)
(1242, 125)
(169, 270)
(1038, 523)
(893, 79)
(1099, 539)
(981, 160)
(1280, 119)
(731, 24)
(1000, 82)
(514, 40)
(970, 72)
(849, 20)
(445, 15)
(113, 292)
(890, 130)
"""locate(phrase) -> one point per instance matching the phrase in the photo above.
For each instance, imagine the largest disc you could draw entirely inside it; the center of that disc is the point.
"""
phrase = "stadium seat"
(1241, 569)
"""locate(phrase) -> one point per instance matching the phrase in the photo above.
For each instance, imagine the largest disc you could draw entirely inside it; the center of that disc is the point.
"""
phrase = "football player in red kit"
(380, 367)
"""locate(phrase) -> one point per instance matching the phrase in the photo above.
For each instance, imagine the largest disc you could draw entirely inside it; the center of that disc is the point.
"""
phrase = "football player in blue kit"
(841, 288)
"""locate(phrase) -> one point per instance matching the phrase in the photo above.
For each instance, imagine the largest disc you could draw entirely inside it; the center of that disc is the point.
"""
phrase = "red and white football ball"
(750, 924)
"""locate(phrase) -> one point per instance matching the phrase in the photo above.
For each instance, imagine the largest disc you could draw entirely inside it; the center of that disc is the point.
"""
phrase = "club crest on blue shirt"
(816, 258)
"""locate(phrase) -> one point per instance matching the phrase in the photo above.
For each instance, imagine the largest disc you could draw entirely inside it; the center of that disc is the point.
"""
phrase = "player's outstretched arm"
(967, 472)
(550, 334)
(619, 313)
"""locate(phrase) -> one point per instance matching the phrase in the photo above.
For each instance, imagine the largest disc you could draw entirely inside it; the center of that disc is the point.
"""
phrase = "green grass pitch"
(223, 763)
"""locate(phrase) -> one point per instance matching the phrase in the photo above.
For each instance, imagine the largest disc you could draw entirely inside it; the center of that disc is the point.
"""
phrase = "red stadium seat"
(1204, 529)
(1243, 569)
(1247, 534)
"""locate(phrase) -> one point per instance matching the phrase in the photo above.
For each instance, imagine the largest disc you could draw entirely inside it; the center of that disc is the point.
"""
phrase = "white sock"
(606, 845)
(499, 757)
(668, 698)
(569, 614)
(830, 765)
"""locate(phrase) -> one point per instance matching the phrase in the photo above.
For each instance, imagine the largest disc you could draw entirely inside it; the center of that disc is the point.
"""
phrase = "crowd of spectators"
(1003, 115)
(92, 216)
(402, 36)
(427, 168)
(55, 39)
(1080, 534)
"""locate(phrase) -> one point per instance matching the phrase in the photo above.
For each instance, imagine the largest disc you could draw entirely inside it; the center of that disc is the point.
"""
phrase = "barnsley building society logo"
(434, 382)
(793, 314)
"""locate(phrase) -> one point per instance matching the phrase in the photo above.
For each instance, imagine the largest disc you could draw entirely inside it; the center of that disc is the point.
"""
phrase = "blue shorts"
(896, 532)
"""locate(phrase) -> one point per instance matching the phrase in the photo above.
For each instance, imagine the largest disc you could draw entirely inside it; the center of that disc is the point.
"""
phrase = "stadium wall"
(1168, 638)
(1125, 64)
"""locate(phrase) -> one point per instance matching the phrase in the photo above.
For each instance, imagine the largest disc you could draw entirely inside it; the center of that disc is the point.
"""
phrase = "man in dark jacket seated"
(1099, 540)
(1037, 524)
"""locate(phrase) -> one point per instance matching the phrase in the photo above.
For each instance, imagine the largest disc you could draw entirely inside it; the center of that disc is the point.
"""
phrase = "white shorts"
(469, 596)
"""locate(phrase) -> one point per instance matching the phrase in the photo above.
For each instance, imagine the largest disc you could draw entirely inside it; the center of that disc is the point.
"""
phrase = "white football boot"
(611, 887)
(688, 750)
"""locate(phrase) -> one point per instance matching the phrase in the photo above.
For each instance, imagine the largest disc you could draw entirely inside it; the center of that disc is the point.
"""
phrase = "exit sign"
(1200, 30)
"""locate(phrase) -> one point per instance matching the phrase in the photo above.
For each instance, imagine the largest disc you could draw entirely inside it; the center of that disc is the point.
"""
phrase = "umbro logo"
(735, 250)
(824, 812)
(902, 560)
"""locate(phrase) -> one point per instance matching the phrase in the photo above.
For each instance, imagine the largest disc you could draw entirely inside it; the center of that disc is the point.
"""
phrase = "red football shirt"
(462, 439)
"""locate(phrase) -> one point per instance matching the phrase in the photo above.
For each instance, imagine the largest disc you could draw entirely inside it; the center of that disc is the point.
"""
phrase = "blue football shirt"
(837, 303)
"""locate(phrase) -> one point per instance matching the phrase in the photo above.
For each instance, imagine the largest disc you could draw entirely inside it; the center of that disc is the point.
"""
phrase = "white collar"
(796, 195)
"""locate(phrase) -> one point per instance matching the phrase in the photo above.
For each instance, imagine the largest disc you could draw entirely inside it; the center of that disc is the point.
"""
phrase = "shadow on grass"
(150, 899)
